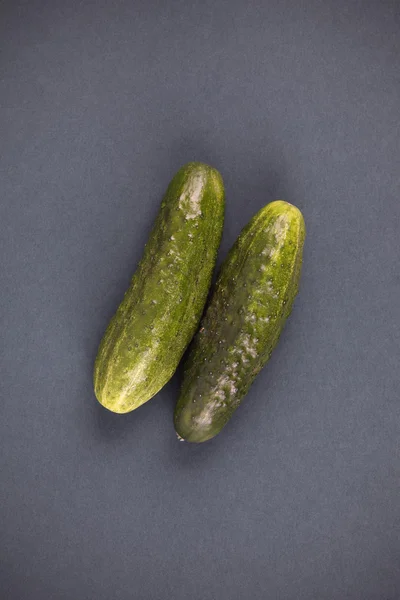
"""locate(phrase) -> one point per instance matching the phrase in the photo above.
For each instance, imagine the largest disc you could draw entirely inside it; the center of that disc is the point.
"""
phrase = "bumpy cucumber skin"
(253, 297)
(161, 309)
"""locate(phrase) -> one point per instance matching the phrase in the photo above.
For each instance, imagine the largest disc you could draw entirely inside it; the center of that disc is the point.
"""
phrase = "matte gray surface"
(101, 102)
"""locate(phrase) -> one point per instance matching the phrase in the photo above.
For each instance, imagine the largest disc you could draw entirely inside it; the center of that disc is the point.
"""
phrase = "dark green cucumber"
(160, 312)
(253, 297)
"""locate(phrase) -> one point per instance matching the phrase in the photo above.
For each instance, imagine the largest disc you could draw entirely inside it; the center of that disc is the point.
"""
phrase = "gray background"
(101, 102)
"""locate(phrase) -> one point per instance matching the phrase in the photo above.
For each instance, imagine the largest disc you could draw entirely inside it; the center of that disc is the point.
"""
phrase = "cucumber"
(161, 309)
(253, 297)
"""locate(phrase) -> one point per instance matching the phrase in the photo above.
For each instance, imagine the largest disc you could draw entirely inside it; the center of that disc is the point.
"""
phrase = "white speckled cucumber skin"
(253, 297)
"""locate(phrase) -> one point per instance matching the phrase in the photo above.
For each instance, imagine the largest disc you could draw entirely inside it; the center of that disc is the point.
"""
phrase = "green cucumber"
(253, 297)
(161, 309)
